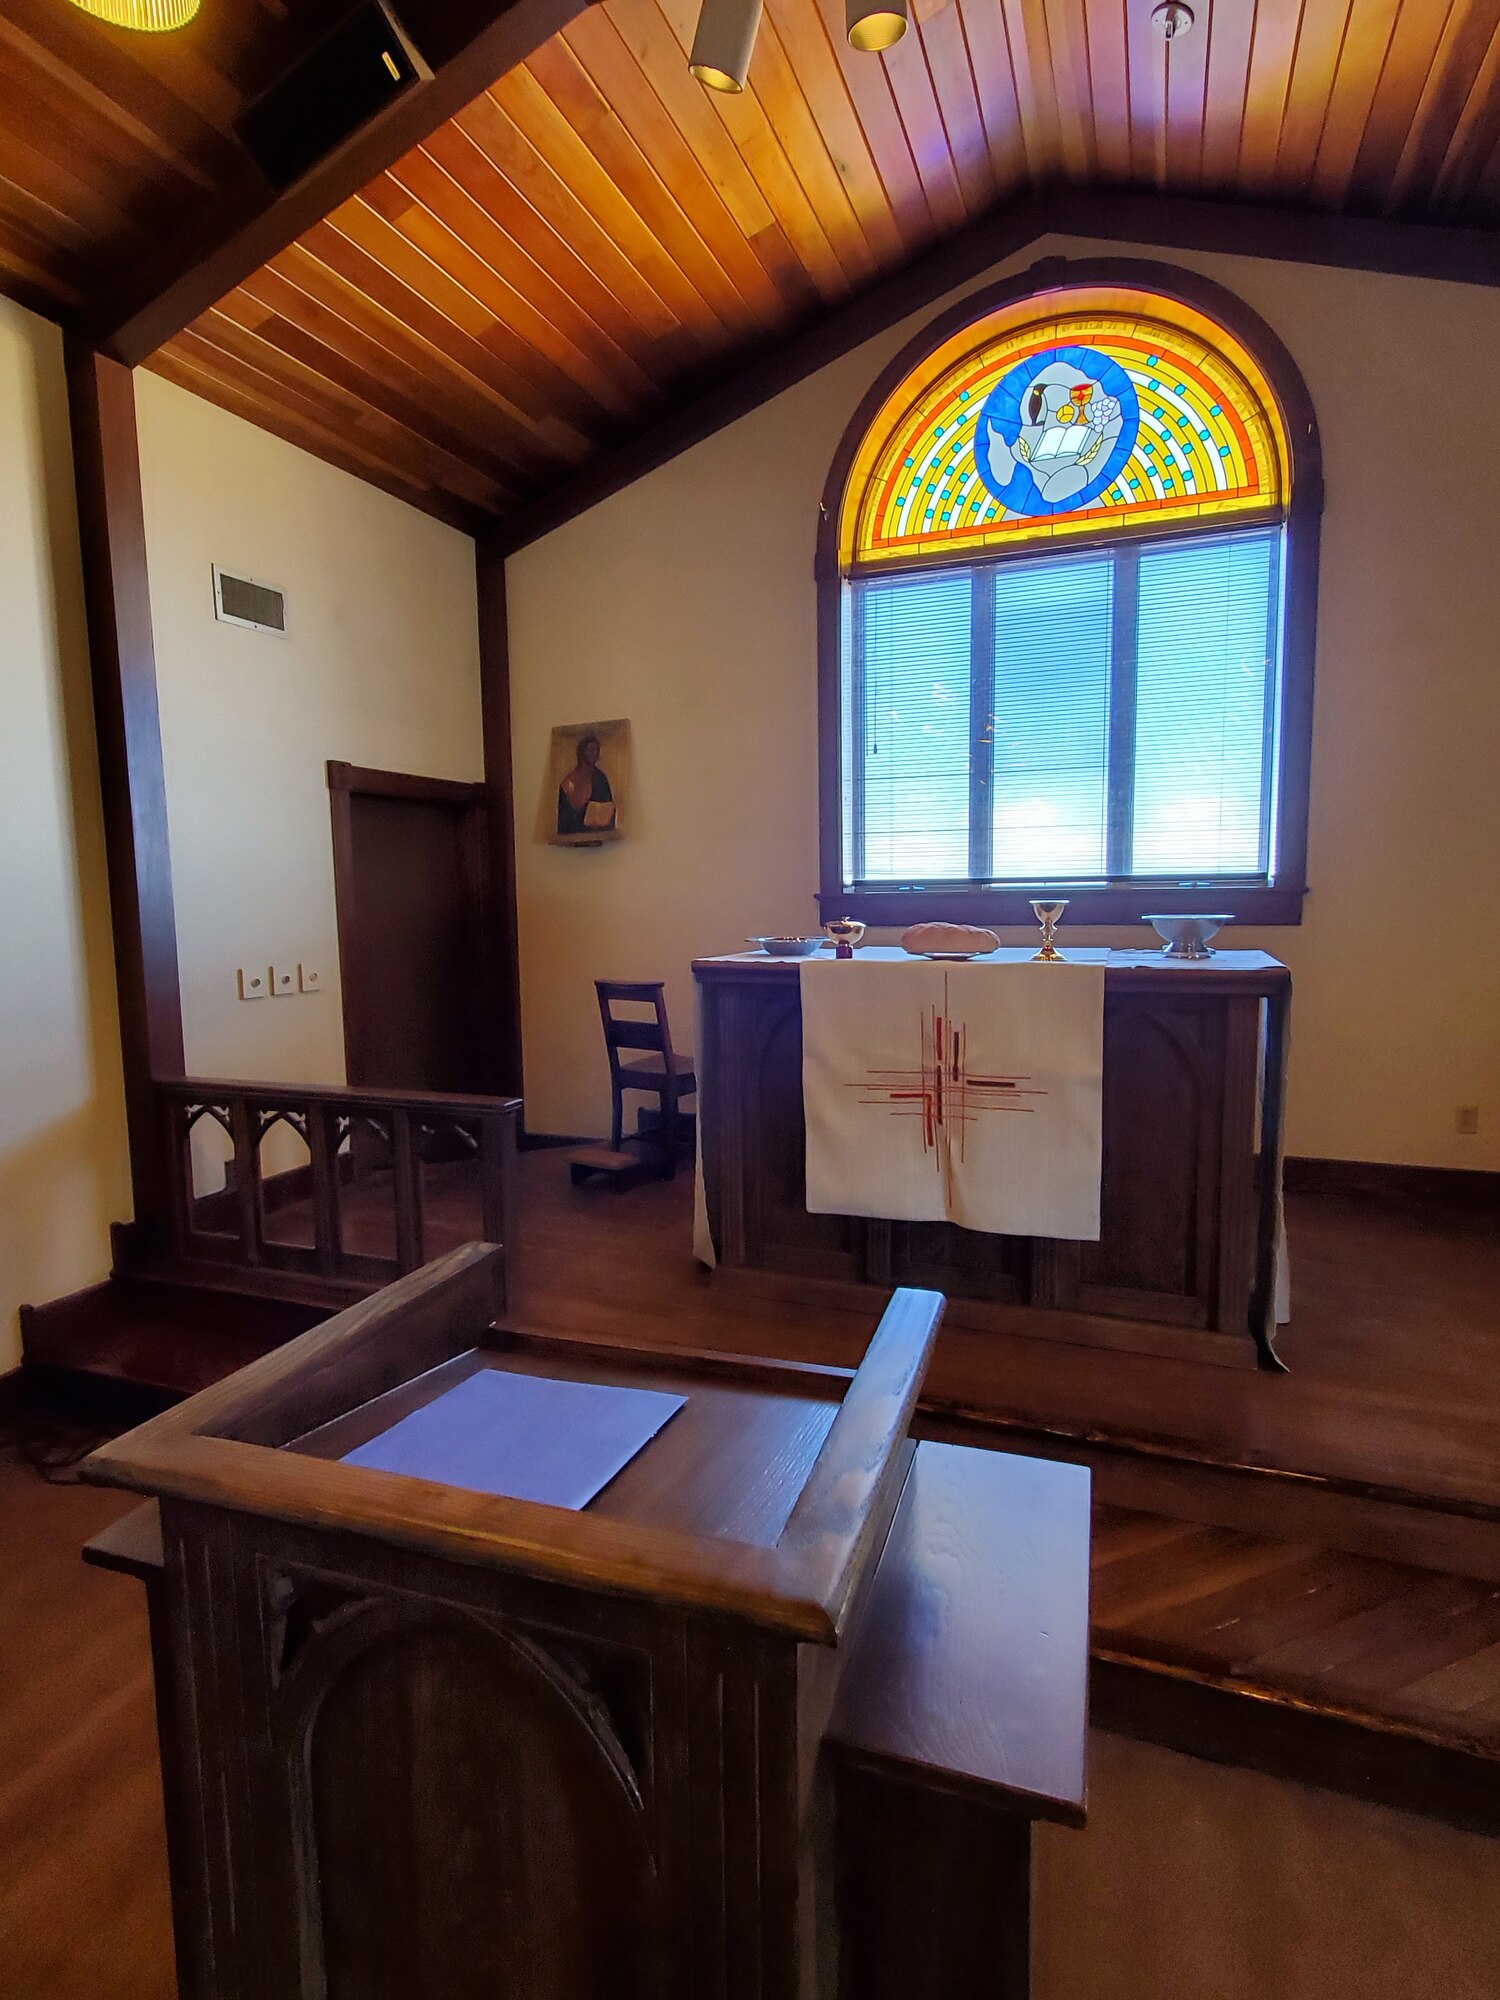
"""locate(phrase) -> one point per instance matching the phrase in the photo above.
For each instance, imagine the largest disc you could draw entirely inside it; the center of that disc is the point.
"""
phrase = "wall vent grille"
(243, 600)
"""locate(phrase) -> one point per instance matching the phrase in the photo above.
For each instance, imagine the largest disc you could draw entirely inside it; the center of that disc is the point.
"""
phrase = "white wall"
(64, 1173)
(686, 602)
(380, 667)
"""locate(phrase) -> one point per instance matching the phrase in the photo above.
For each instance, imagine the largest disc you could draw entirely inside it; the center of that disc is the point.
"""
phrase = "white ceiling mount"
(1172, 18)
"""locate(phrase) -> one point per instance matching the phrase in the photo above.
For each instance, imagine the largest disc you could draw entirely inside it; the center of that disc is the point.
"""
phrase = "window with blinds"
(1091, 718)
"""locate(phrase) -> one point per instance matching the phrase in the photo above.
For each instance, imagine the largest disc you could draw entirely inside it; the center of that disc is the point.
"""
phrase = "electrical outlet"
(252, 985)
(309, 979)
(282, 981)
(1466, 1122)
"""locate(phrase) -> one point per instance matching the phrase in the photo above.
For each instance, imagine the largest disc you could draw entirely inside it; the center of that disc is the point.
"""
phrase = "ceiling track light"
(724, 43)
(725, 40)
(146, 17)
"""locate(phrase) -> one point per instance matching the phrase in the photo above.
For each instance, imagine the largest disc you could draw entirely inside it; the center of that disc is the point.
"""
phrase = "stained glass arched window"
(1069, 422)
(1074, 611)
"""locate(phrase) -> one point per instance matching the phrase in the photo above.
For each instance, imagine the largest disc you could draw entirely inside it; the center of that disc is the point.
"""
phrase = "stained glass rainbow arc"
(1066, 423)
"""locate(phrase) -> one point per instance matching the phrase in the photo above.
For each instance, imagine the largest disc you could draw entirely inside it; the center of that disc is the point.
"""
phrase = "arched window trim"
(1280, 902)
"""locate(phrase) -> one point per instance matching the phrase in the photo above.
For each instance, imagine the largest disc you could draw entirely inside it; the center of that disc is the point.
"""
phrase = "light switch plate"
(309, 979)
(253, 985)
(283, 981)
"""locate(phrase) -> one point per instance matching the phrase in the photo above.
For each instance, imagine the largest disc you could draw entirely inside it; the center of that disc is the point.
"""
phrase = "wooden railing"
(363, 1208)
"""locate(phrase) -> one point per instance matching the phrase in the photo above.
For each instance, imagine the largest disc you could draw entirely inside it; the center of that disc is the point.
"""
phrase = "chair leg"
(669, 1133)
(617, 1129)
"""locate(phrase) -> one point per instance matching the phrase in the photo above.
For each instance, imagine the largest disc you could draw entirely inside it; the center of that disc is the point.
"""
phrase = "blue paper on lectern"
(526, 1437)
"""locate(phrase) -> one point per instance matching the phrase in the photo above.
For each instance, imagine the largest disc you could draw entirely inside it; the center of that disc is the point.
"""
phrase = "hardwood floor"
(1394, 1346)
(1380, 1640)
(83, 1886)
(1373, 1626)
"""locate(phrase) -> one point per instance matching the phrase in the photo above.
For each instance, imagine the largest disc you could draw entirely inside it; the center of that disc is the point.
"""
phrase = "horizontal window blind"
(1204, 687)
(1104, 716)
(1050, 718)
(911, 741)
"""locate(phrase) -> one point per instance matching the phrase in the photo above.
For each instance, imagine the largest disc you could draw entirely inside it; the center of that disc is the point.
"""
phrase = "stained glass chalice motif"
(1056, 430)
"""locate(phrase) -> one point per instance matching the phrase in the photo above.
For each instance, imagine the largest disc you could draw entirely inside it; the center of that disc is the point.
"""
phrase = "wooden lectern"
(724, 1733)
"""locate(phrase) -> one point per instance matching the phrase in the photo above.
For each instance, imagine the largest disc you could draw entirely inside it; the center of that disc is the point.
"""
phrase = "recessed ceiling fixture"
(148, 17)
(727, 29)
(875, 24)
(1171, 19)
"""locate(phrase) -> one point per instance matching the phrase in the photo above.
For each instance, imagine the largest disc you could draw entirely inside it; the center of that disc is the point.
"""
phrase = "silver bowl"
(787, 947)
(1187, 937)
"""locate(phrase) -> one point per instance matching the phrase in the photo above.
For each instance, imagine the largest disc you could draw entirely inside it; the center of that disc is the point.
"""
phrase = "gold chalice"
(1047, 915)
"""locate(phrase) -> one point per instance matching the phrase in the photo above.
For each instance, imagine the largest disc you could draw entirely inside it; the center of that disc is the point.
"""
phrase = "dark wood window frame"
(1277, 902)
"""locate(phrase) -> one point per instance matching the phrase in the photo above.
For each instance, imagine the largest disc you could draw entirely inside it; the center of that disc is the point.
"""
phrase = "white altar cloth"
(956, 1092)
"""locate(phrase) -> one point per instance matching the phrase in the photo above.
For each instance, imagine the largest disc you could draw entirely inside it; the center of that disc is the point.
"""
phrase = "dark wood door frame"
(132, 781)
(499, 780)
(345, 783)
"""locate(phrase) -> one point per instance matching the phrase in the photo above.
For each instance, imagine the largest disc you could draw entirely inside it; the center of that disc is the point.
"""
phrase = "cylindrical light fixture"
(147, 17)
(725, 42)
(875, 24)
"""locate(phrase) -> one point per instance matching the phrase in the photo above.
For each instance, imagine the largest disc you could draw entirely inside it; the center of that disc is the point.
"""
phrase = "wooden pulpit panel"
(473, 1831)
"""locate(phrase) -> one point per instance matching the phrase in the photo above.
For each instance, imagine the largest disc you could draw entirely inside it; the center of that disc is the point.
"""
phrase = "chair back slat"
(630, 1032)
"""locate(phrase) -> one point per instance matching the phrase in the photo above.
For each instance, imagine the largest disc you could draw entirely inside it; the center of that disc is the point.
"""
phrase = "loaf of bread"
(948, 937)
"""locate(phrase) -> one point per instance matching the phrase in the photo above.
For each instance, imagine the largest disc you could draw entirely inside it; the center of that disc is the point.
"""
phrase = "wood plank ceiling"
(110, 142)
(596, 236)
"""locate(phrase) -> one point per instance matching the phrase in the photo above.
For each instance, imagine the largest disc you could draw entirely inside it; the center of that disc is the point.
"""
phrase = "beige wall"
(63, 1166)
(686, 603)
(380, 667)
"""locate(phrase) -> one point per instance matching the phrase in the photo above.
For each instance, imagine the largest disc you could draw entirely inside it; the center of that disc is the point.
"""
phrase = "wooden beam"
(1461, 255)
(470, 44)
(503, 950)
(112, 533)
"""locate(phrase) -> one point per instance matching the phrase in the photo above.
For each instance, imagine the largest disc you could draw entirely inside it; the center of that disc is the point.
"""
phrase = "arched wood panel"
(470, 1826)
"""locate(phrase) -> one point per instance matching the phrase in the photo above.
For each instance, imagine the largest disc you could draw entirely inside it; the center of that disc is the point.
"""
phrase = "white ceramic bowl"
(1187, 937)
(787, 947)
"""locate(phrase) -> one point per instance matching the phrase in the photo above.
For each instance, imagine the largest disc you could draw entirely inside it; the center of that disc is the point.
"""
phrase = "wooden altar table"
(1194, 1094)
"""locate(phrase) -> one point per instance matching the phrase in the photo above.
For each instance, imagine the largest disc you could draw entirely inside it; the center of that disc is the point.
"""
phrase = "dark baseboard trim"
(1257, 1729)
(13, 1392)
(39, 1393)
(1465, 1187)
(541, 1142)
(39, 1319)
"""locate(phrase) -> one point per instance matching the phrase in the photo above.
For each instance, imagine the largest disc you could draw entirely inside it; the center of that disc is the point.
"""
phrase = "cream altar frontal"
(1089, 1149)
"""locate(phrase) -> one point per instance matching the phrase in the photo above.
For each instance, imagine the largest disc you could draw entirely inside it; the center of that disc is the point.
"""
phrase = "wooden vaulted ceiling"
(594, 238)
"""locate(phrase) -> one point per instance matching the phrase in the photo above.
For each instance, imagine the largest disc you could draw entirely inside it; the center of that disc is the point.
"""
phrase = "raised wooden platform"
(1394, 1343)
(1261, 1522)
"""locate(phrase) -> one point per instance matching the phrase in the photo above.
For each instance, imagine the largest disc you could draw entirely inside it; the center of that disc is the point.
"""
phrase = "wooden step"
(158, 1332)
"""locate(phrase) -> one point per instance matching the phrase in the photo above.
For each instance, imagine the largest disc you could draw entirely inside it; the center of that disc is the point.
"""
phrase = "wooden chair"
(661, 1072)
